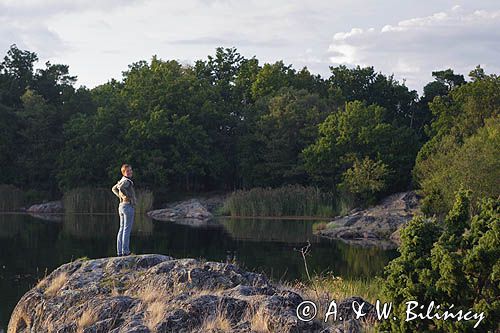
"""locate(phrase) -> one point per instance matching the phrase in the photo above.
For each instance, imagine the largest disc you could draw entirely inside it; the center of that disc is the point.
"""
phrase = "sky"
(98, 39)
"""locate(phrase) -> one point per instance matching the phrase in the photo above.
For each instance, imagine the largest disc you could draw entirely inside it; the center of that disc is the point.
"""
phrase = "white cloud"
(28, 23)
(413, 48)
(98, 39)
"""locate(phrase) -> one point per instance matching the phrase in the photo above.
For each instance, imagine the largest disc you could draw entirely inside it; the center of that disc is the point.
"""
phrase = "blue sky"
(410, 39)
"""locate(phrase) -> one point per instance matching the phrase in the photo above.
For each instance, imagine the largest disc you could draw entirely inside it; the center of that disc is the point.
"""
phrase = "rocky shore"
(378, 225)
(157, 293)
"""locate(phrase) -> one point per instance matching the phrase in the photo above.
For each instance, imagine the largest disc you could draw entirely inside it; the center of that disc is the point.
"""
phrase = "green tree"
(16, 74)
(364, 84)
(459, 267)
(365, 179)
(8, 144)
(289, 126)
(474, 164)
(446, 161)
(271, 78)
(355, 132)
(170, 150)
(39, 141)
(444, 82)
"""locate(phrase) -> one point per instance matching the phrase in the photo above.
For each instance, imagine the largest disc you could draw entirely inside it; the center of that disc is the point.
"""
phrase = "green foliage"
(33, 108)
(16, 74)
(473, 164)
(464, 143)
(340, 289)
(39, 132)
(228, 122)
(365, 179)
(364, 84)
(289, 126)
(290, 200)
(271, 78)
(8, 139)
(356, 132)
(458, 267)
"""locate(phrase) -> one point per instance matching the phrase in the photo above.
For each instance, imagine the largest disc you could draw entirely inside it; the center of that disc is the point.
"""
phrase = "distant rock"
(47, 207)
(156, 293)
(378, 225)
(196, 211)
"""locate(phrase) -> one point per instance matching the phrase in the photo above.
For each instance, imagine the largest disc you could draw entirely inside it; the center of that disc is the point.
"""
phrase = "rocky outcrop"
(46, 208)
(156, 293)
(378, 225)
(194, 211)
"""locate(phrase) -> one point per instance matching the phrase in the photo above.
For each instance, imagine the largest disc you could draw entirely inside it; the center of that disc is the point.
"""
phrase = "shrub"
(458, 266)
(365, 179)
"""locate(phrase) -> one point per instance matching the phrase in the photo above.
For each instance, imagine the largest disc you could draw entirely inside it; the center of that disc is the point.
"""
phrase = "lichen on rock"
(156, 293)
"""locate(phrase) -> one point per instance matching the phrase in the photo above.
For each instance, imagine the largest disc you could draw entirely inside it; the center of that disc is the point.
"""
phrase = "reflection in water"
(270, 230)
(102, 226)
(30, 248)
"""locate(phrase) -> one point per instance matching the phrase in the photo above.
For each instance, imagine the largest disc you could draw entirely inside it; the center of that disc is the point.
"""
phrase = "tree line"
(228, 122)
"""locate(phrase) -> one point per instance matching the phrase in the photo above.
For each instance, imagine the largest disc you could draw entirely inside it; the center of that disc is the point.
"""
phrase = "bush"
(458, 266)
(365, 179)
(473, 164)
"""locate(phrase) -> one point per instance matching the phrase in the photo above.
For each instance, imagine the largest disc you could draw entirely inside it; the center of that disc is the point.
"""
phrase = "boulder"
(191, 212)
(46, 207)
(157, 293)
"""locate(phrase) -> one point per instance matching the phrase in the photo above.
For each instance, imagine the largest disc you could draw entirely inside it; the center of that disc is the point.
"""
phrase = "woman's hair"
(125, 167)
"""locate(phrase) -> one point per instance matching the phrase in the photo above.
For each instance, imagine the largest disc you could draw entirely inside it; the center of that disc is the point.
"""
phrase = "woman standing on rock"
(124, 190)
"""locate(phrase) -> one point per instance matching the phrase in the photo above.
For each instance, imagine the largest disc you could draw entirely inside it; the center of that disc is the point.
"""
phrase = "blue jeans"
(126, 213)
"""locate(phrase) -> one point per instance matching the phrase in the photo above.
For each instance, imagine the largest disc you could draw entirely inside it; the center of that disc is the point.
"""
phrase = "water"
(32, 247)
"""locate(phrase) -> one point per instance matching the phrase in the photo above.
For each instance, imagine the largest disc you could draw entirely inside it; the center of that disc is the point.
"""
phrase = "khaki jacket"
(124, 190)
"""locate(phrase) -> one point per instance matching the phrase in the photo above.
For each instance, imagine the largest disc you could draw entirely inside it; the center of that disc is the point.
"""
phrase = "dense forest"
(228, 122)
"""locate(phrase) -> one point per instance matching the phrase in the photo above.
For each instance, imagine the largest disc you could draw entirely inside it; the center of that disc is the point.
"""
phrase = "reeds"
(102, 201)
(11, 198)
(89, 200)
(289, 200)
(145, 200)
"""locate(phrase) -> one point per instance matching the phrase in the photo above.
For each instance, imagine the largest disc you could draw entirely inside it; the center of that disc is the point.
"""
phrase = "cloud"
(21, 9)
(27, 23)
(238, 42)
(34, 37)
(413, 48)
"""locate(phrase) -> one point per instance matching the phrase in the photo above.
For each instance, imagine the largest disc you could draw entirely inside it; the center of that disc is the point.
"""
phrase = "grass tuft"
(56, 284)
(89, 317)
(154, 314)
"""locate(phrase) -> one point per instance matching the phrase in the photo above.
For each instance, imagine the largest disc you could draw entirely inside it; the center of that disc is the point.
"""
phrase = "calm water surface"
(31, 247)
